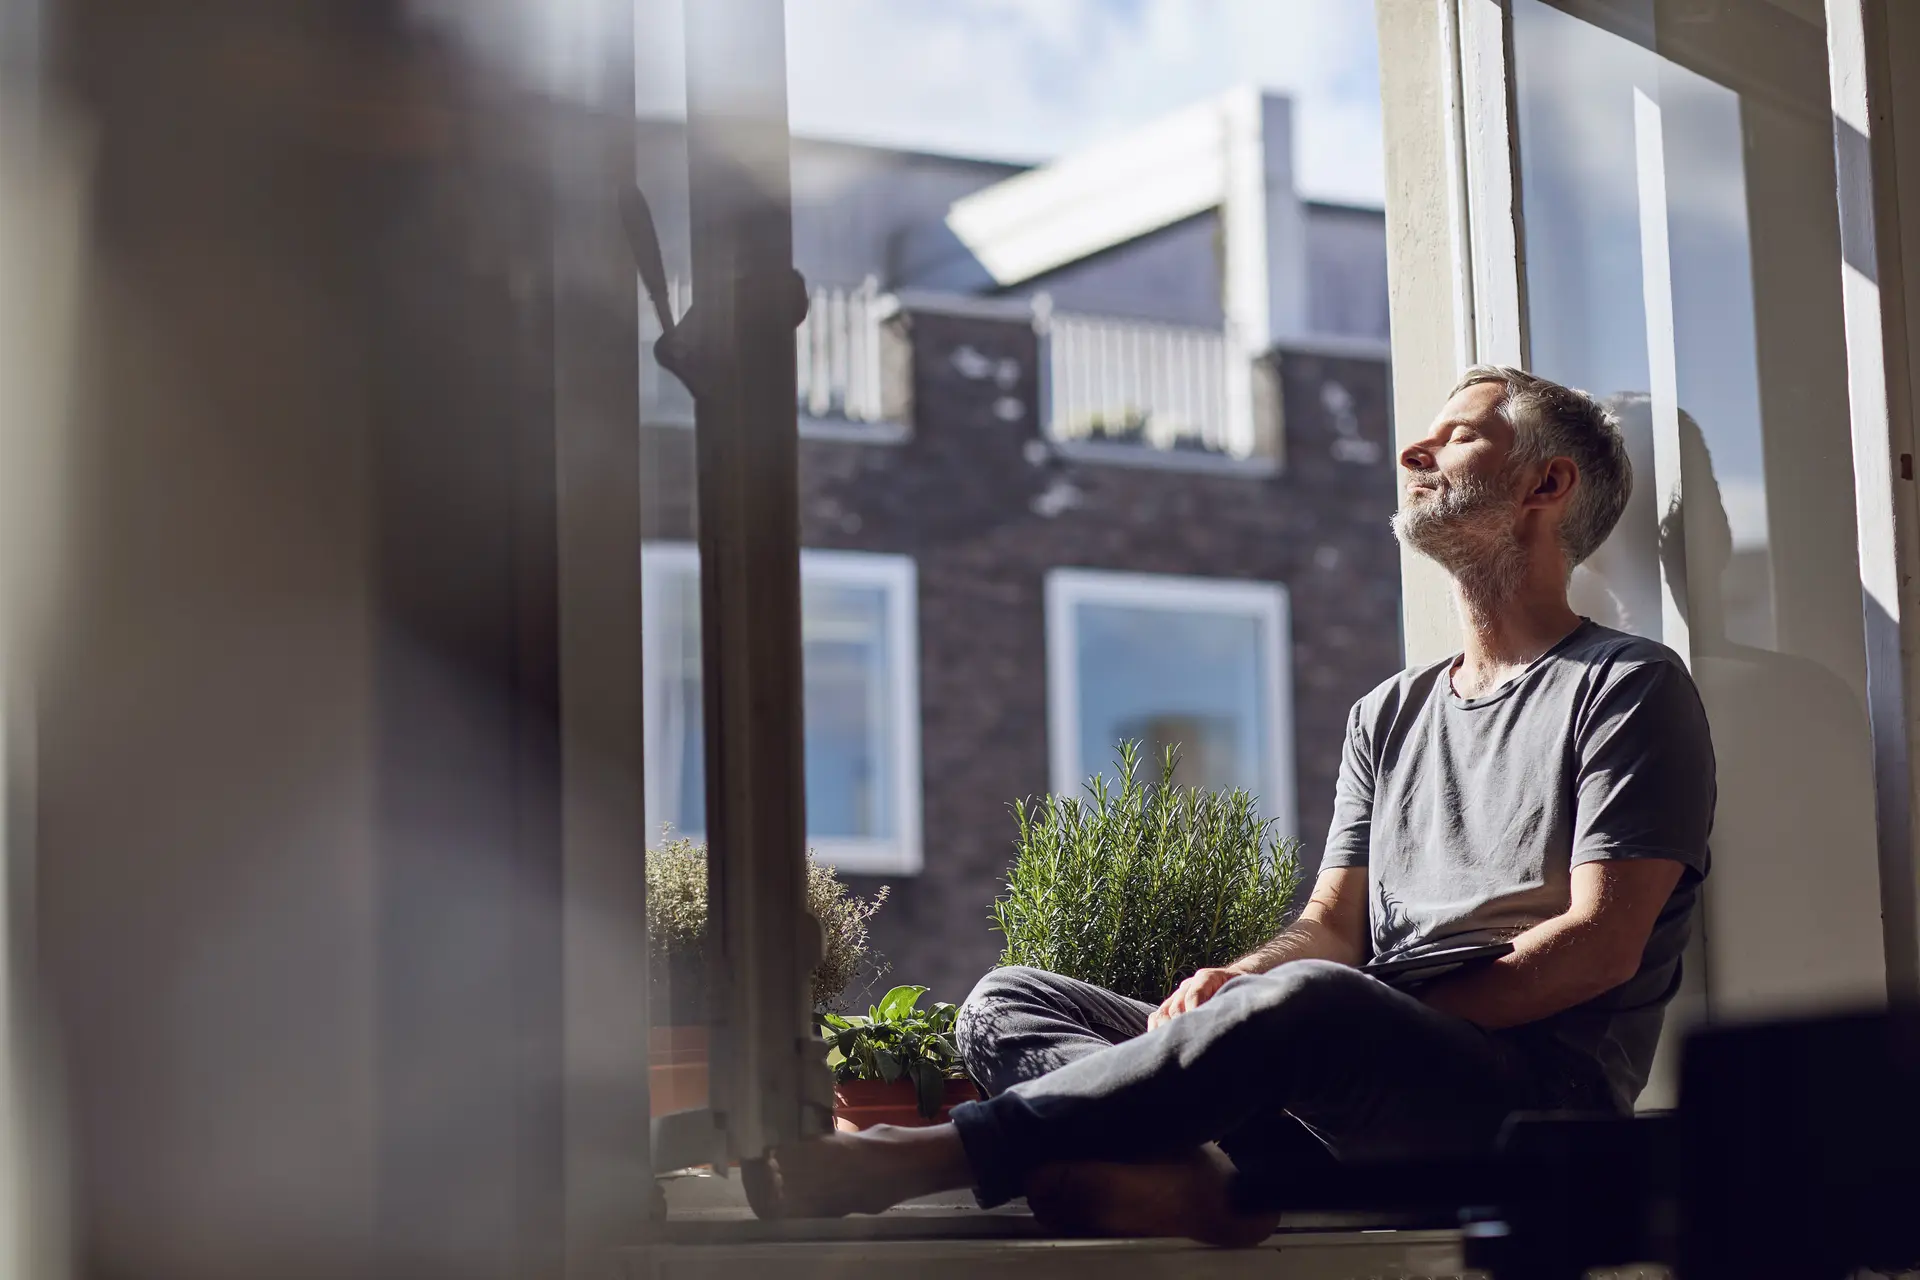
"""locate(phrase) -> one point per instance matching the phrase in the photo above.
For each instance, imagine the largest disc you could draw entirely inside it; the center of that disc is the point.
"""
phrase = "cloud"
(1030, 79)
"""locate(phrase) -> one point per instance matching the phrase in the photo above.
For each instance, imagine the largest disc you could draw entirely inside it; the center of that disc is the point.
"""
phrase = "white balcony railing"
(843, 353)
(1157, 385)
(850, 363)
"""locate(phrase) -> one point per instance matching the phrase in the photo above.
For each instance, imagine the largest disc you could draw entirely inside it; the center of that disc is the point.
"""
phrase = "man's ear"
(1555, 483)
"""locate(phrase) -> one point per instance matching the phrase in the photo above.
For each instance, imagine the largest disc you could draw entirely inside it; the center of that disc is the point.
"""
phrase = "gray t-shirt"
(1470, 814)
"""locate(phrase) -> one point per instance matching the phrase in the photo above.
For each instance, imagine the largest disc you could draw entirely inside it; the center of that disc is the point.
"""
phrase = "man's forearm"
(1553, 967)
(1308, 938)
(1568, 960)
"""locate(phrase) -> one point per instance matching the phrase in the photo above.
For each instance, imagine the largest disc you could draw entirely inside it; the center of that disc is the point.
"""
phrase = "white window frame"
(1268, 602)
(898, 577)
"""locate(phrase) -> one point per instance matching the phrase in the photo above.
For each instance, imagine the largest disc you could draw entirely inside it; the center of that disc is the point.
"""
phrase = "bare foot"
(866, 1172)
(1185, 1197)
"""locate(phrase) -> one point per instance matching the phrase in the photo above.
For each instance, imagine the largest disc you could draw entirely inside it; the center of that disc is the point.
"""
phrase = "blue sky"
(1029, 79)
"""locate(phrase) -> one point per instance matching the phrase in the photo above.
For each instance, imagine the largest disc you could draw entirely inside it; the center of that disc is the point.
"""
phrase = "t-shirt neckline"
(1506, 690)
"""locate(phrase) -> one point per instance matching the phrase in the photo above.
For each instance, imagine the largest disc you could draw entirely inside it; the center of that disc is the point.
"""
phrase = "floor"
(710, 1235)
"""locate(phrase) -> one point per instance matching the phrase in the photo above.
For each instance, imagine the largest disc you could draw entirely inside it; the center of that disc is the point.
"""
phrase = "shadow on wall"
(1791, 737)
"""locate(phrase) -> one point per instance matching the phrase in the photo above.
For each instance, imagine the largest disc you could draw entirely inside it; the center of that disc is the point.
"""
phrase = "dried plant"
(843, 917)
(677, 922)
(676, 898)
(1135, 888)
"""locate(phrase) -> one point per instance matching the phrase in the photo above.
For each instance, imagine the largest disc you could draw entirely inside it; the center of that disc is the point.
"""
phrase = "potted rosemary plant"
(676, 937)
(1134, 887)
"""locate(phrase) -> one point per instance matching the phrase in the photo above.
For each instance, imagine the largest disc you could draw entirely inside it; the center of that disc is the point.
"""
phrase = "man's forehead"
(1478, 403)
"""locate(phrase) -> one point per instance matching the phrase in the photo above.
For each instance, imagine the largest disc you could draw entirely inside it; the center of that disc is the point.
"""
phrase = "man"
(1552, 785)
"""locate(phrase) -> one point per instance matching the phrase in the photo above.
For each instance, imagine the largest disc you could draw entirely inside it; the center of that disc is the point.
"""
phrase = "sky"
(1031, 79)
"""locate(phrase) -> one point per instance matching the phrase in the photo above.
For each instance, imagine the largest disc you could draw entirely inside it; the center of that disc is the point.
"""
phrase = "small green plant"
(677, 925)
(1134, 888)
(897, 1040)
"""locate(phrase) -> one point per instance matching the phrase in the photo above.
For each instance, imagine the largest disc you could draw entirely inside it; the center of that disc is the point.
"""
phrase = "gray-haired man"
(1552, 785)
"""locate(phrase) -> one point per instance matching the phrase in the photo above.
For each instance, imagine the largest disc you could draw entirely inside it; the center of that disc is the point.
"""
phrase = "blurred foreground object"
(1794, 1151)
(42, 210)
(349, 500)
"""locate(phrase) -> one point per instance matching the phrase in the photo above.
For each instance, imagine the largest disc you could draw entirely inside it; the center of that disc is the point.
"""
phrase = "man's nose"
(1416, 458)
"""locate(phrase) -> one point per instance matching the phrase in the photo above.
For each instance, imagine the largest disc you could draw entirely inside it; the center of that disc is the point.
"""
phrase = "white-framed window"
(1201, 664)
(860, 654)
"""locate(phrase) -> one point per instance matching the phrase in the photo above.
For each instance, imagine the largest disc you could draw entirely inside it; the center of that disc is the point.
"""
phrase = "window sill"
(1105, 453)
(838, 429)
(704, 1211)
(867, 857)
(835, 429)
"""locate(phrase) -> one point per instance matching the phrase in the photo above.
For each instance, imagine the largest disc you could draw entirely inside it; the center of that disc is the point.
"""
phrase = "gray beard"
(1467, 529)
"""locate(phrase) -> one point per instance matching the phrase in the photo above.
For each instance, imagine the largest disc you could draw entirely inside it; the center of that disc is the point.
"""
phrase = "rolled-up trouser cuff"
(996, 1177)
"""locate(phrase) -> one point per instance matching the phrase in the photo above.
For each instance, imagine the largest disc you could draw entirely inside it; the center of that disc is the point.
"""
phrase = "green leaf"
(888, 1065)
(1143, 881)
(898, 1003)
(929, 1088)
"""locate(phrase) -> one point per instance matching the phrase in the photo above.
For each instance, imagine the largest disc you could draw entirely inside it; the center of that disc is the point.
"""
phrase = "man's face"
(1458, 487)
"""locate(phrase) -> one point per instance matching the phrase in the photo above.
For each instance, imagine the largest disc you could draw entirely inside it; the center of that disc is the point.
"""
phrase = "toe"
(760, 1179)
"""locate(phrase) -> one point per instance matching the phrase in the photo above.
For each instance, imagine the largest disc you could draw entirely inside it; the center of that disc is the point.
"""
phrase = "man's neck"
(1500, 638)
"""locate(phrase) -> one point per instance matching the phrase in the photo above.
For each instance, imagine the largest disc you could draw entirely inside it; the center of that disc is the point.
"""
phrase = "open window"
(1637, 197)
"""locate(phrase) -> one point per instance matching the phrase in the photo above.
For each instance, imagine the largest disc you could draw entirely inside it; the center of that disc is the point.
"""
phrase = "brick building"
(1127, 484)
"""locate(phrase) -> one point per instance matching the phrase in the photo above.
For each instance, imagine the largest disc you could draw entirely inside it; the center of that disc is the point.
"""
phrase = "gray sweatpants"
(1311, 1062)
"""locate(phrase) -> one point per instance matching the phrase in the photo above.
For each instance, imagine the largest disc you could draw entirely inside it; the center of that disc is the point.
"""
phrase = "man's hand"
(1190, 995)
(1332, 926)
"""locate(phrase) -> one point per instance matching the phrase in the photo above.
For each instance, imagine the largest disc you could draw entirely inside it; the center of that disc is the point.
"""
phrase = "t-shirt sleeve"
(1352, 828)
(1645, 783)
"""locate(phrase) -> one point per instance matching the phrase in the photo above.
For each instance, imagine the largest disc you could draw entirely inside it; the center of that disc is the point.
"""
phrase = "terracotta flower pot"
(862, 1104)
(676, 1069)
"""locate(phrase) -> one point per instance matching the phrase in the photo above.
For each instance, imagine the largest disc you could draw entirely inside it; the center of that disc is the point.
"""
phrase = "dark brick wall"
(985, 511)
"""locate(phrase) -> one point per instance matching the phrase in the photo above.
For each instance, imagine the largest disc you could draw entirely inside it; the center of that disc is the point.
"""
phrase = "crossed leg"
(1108, 1128)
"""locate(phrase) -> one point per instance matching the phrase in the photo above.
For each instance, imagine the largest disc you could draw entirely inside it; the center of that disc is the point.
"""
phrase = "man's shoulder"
(1603, 652)
(1404, 688)
(1611, 654)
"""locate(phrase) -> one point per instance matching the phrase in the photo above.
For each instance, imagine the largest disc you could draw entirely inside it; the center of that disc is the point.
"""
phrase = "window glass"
(1683, 259)
(1170, 663)
(860, 695)
(852, 724)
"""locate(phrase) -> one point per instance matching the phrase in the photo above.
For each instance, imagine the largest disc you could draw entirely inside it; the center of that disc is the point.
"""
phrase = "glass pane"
(1683, 258)
(1609, 109)
(854, 720)
(850, 738)
(678, 746)
(1040, 344)
(1188, 680)
(674, 743)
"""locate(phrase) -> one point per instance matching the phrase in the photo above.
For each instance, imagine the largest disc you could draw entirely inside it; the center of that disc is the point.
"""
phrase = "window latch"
(684, 349)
